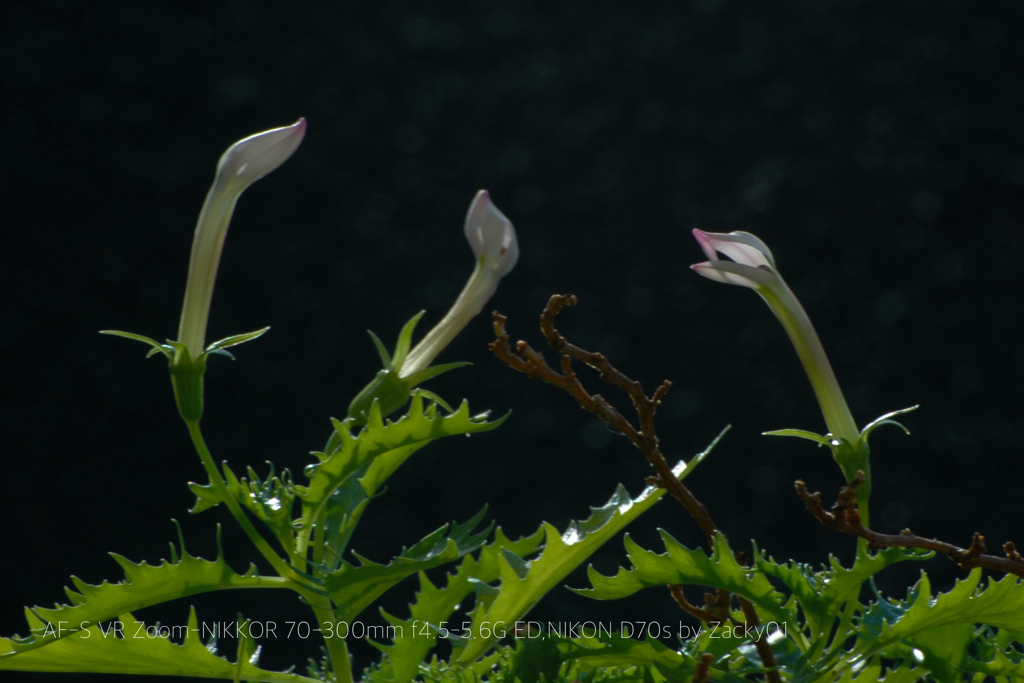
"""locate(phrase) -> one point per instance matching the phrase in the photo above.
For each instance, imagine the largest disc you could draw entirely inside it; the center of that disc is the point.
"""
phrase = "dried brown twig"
(532, 364)
(845, 517)
(702, 672)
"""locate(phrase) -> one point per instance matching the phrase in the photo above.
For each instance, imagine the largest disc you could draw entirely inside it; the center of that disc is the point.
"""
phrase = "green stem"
(797, 324)
(218, 483)
(795, 321)
(863, 499)
(846, 620)
(318, 539)
(336, 648)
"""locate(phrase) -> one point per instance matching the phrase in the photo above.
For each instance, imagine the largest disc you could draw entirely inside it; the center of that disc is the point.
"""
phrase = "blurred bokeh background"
(878, 148)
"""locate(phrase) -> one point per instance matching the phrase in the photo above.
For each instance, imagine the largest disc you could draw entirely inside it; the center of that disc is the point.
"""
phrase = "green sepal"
(386, 393)
(165, 349)
(186, 372)
(388, 387)
(884, 420)
(430, 372)
(382, 351)
(849, 457)
(430, 395)
(802, 434)
(405, 341)
(235, 340)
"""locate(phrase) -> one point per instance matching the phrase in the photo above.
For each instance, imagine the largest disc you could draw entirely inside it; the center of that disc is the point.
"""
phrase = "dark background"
(876, 147)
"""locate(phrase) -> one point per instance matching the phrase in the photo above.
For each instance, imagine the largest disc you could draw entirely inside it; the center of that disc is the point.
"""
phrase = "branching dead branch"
(844, 517)
(533, 365)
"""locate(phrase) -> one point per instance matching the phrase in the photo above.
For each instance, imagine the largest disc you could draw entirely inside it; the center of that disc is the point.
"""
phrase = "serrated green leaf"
(270, 501)
(353, 588)
(413, 638)
(943, 649)
(821, 594)
(98, 650)
(1000, 604)
(356, 467)
(246, 652)
(144, 585)
(871, 672)
(381, 448)
(617, 650)
(681, 565)
(562, 553)
(997, 658)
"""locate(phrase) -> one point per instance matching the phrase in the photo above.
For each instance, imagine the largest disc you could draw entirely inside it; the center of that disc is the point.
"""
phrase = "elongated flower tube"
(241, 165)
(753, 266)
(493, 241)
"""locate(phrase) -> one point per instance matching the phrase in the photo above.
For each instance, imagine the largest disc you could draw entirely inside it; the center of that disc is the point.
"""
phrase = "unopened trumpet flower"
(493, 241)
(240, 166)
(753, 266)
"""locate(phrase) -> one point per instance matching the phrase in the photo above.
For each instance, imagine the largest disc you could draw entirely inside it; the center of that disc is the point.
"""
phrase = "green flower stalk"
(240, 166)
(493, 241)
